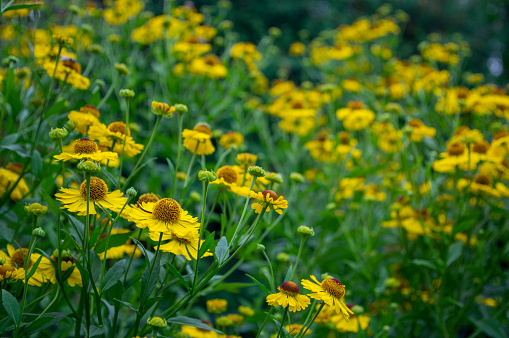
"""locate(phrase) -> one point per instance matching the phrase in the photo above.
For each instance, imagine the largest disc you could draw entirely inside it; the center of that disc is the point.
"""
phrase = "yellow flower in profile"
(227, 178)
(75, 200)
(209, 65)
(197, 140)
(195, 332)
(10, 175)
(165, 216)
(246, 158)
(268, 199)
(456, 155)
(297, 49)
(87, 149)
(87, 116)
(246, 311)
(16, 259)
(124, 249)
(230, 138)
(353, 325)
(331, 291)
(352, 85)
(217, 305)
(481, 185)
(67, 263)
(289, 297)
(355, 116)
(113, 136)
(10, 273)
(294, 329)
(419, 130)
(185, 244)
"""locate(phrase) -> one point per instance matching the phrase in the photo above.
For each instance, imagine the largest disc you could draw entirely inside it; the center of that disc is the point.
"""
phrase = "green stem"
(239, 225)
(264, 322)
(110, 91)
(302, 240)
(282, 322)
(205, 188)
(311, 322)
(273, 284)
(179, 149)
(132, 255)
(127, 100)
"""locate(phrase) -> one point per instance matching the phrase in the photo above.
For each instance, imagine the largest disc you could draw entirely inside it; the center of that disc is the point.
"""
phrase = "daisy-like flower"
(268, 199)
(418, 130)
(331, 291)
(124, 249)
(112, 136)
(197, 140)
(185, 245)
(230, 138)
(48, 269)
(10, 273)
(294, 329)
(87, 116)
(456, 155)
(16, 260)
(353, 325)
(227, 178)
(10, 175)
(87, 149)
(288, 296)
(217, 305)
(165, 216)
(75, 200)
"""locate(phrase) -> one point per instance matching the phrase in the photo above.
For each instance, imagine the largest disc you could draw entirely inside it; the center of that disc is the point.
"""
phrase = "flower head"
(197, 140)
(86, 149)
(331, 291)
(268, 199)
(288, 296)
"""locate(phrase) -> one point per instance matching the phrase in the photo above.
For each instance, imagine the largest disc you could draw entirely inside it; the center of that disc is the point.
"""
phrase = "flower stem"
(205, 188)
(179, 150)
(302, 240)
(239, 225)
(282, 322)
(306, 327)
(127, 100)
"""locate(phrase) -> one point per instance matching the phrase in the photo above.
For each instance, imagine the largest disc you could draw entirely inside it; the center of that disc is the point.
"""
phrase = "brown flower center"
(355, 105)
(456, 149)
(483, 179)
(415, 123)
(4, 269)
(119, 127)
(481, 147)
(180, 239)
(88, 108)
(71, 63)
(297, 105)
(17, 258)
(334, 287)
(500, 134)
(228, 174)
(203, 129)
(289, 287)
(85, 146)
(211, 60)
(167, 210)
(15, 167)
(271, 194)
(149, 197)
(98, 189)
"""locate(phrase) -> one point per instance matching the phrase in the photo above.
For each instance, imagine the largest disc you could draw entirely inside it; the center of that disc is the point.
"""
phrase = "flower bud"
(126, 93)
(57, 133)
(282, 257)
(95, 49)
(224, 4)
(121, 68)
(161, 108)
(357, 309)
(181, 176)
(246, 158)
(275, 32)
(35, 209)
(156, 322)
(11, 59)
(274, 178)
(195, 196)
(100, 83)
(225, 25)
(260, 247)
(207, 176)
(38, 232)
(89, 166)
(297, 177)
(326, 275)
(74, 9)
(131, 192)
(63, 253)
(306, 231)
(70, 126)
(180, 108)
(256, 171)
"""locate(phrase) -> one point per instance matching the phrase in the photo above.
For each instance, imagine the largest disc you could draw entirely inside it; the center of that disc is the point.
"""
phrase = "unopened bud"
(121, 68)
(256, 171)
(180, 108)
(39, 232)
(89, 166)
(36, 209)
(195, 196)
(157, 322)
(70, 125)
(131, 192)
(207, 176)
(306, 231)
(297, 177)
(126, 93)
(57, 133)
(260, 247)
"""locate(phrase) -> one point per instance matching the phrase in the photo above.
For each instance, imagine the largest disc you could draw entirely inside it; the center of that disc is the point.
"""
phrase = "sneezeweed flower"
(331, 291)
(165, 215)
(161, 108)
(246, 159)
(10, 273)
(227, 178)
(297, 177)
(191, 331)
(86, 149)
(294, 329)
(456, 154)
(112, 137)
(297, 49)
(35, 209)
(16, 258)
(289, 297)
(117, 252)
(268, 200)
(126, 93)
(356, 322)
(184, 244)
(217, 305)
(355, 116)
(9, 176)
(418, 130)
(231, 138)
(197, 140)
(67, 262)
(75, 200)
(207, 176)
(235, 319)
(246, 311)
(209, 65)
(87, 116)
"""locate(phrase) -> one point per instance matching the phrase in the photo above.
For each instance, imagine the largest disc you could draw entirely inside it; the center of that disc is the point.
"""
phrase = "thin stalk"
(264, 322)
(302, 240)
(239, 225)
(282, 322)
(306, 328)
(132, 256)
(179, 150)
(205, 188)
(110, 91)
(127, 100)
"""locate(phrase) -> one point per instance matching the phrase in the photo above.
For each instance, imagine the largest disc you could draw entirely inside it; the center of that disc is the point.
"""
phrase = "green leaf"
(6, 232)
(113, 275)
(111, 178)
(129, 305)
(192, 322)
(34, 268)
(454, 252)
(422, 262)
(47, 320)
(11, 306)
(36, 163)
(95, 98)
(95, 331)
(263, 287)
(20, 6)
(179, 276)
(231, 287)
(222, 252)
(115, 240)
(288, 273)
(56, 108)
(489, 326)
(205, 245)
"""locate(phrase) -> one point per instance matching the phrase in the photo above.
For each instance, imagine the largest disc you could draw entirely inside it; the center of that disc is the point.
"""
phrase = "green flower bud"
(282, 257)
(275, 32)
(297, 177)
(126, 93)
(121, 68)
(157, 322)
(100, 83)
(256, 171)
(207, 176)
(195, 196)
(223, 321)
(35, 209)
(89, 166)
(11, 59)
(326, 275)
(306, 231)
(57, 133)
(357, 309)
(274, 178)
(131, 192)
(224, 4)
(70, 126)
(260, 247)
(95, 49)
(63, 253)
(180, 108)
(38, 232)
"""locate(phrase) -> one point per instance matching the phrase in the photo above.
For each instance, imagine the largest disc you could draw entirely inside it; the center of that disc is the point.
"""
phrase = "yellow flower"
(185, 244)
(10, 273)
(86, 117)
(246, 158)
(268, 199)
(113, 136)
(352, 85)
(288, 296)
(456, 155)
(87, 149)
(353, 325)
(355, 116)
(68, 70)
(227, 177)
(419, 130)
(197, 140)
(165, 215)
(297, 49)
(10, 175)
(217, 305)
(331, 291)
(246, 311)
(124, 249)
(194, 332)
(17, 258)
(230, 138)
(294, 329)
(210, 65)
(75, 200)
(67, 263)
